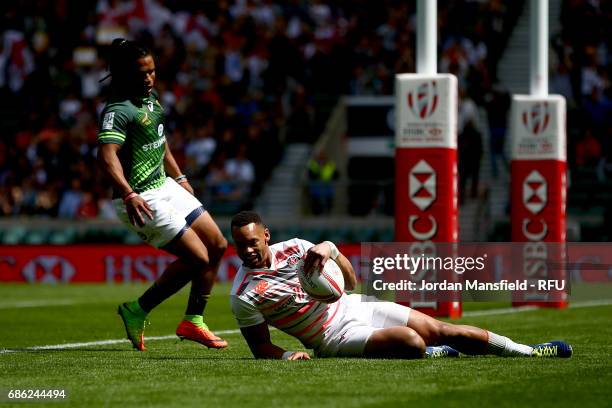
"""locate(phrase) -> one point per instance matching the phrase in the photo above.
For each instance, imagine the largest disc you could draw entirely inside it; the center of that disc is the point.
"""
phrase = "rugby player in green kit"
(154, 198)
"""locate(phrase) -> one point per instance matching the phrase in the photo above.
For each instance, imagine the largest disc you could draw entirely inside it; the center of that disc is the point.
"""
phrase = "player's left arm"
(174, 171)
(321, 253)
(258, 339)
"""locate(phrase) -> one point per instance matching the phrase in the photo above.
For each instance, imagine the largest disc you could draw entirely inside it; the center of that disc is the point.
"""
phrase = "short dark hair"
(245, 218)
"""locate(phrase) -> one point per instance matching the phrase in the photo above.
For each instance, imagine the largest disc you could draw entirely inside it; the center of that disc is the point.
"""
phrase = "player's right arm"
(109, 163)
(258, 339)
(110, 139)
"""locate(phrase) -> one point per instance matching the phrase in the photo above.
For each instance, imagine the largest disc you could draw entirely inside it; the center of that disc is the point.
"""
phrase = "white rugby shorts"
(362, 317)
(173, 207)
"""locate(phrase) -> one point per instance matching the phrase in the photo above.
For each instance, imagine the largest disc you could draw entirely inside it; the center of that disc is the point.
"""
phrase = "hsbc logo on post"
(423, 100)
(422, 185)
(422, 192)
(535, 192)
(48, 269)
(536, 118)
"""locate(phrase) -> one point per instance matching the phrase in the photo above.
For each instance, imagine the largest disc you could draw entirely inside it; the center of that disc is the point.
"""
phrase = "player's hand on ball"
(316, 257)
(299, 355)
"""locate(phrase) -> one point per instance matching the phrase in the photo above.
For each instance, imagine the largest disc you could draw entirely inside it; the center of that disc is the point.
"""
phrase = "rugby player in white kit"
(266, 291)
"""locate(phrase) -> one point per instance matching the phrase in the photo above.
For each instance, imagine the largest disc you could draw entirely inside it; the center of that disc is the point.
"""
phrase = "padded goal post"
(538, 193)
(426, 195)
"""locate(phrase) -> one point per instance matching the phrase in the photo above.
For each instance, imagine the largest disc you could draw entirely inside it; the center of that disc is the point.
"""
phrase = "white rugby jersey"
(274, 295)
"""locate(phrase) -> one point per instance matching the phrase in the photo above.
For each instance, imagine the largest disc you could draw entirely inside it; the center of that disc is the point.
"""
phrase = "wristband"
(287, 354)
(181, 179)
(129, 196)
(334, 250)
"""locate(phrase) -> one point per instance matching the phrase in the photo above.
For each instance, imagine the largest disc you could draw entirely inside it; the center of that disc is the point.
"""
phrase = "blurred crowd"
(240, 79)
(582, 68)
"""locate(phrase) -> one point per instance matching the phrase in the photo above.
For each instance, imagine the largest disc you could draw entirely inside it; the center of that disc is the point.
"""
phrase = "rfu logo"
(422, 185)
(423, 100)
(537, 118)
(293, 260)
(535, 192)
(54, 269)
(261, 287)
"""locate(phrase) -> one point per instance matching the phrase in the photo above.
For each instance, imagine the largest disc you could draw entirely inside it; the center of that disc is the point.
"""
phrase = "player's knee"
(413, 342)
(216, 250)
(216, 244)
(396, 342)
(219, 247)
(409, 343)
(199, 261)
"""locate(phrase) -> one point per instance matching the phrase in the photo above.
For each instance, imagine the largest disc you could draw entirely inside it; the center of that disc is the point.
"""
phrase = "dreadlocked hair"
(122, 60)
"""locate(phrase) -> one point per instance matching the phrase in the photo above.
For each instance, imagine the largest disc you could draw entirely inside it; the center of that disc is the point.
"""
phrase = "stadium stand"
(241, 80)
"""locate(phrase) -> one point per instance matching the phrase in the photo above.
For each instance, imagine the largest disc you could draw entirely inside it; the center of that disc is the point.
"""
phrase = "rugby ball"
(325, 285)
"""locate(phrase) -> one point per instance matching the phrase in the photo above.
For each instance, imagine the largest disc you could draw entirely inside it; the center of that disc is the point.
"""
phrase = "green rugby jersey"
(137, 125)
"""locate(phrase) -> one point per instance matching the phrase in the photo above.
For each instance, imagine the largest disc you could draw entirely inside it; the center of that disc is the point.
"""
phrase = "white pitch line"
(476, 313)
(492, 312)
(590, 303)
(36, 303)
(520, 309)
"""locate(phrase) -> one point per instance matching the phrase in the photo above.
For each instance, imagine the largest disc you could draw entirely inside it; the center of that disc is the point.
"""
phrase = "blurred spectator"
(598, 110)
(561, 83)
(321, 174)
(106, 209)
(497, 106)
(89, 206)
(300, 127)
(6, 204)
(70, 202)
(592, 75)
(588, 150)
(241, 172)
(4, 163)
(468, 111)
(200, 149)
(46, 201)
(470, 153)
(16, 59)
(222, 188)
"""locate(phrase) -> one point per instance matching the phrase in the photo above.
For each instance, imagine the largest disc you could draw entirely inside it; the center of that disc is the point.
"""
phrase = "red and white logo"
(293, 260)
(423, 100)
(261, 287)
(537, 118)
(535, 192)
(422, 185)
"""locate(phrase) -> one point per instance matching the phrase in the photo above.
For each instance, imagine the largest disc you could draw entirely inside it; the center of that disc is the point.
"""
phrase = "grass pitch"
(174, 373)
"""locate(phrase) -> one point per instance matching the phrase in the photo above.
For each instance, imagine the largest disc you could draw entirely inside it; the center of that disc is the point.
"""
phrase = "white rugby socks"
(503, 346)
